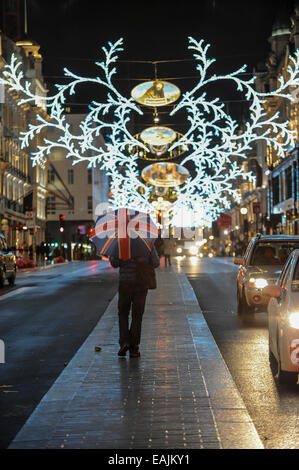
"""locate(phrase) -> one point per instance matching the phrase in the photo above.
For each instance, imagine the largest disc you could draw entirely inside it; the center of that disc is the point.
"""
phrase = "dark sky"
(72, 32)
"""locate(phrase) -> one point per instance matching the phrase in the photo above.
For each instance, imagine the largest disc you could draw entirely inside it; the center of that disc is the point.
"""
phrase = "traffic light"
(61, 222)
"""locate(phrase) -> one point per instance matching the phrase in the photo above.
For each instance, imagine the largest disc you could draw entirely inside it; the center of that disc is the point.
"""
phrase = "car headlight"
(179, 250)
(293, 319)
(211, 255)
(259, 283)
(193, 250)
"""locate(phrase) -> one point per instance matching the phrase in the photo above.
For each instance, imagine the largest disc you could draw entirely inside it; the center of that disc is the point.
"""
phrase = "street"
(243, 344)
(48, 314)
(44, 320)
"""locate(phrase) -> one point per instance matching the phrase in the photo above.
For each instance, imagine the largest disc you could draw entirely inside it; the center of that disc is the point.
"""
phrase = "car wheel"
(2, 278)
(285, 377)
(239, 303)
(273, 363)
(12, 279)
(243, 307)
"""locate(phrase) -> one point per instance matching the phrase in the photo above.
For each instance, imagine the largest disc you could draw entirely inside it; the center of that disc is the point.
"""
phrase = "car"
(283, 320)
(261, 266)
(194, 248)
(8, 266)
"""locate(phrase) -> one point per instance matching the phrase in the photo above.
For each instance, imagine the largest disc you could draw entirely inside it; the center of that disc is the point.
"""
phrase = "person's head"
(269, 252)
(159, 85)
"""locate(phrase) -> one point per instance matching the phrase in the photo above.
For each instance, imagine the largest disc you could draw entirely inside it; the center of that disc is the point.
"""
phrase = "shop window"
(275, 190)
(89, 204)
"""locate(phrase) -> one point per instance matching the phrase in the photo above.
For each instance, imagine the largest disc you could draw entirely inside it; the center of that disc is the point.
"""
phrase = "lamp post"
(244, 212)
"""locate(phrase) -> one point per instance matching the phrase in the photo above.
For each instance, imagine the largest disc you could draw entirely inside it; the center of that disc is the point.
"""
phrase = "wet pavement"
(179, 394)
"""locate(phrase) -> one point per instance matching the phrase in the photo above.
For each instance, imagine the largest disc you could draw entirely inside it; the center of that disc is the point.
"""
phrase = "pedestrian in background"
(168, 250)
(159, 245)
(132, 296)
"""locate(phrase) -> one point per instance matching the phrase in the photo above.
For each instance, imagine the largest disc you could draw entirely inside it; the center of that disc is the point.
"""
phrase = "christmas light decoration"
(214, 140)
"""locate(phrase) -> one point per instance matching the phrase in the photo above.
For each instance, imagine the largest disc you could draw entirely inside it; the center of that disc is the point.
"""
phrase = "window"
(275, 189)
(283, 275)
(51, 176)
(89, 204)
(289, 182)
(70, 176)
(272, 253)
(51, 205)
(89, 176)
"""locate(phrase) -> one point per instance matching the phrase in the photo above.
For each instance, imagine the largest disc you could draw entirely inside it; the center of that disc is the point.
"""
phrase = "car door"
(8, 257)
(277, 306)
(1, 253)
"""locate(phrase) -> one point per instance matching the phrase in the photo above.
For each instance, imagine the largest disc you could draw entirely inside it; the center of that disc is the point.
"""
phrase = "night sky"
(72, 32)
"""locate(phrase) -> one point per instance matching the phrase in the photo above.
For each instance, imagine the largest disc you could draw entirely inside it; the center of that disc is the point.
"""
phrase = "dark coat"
(128, 269)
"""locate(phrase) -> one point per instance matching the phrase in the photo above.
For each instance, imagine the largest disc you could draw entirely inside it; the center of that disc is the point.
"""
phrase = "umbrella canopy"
(124, 234)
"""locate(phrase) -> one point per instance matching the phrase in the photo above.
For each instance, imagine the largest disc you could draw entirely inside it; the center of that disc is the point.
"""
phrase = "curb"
(40, 268)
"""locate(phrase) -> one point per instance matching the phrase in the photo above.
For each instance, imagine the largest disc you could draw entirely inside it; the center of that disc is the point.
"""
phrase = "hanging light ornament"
(165, 175)
(214, 139)
(158, 140)
(155, 93)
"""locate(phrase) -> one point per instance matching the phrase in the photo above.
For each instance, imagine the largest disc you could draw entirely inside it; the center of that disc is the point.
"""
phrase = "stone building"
(270, 205)
(74, 192)
(23, 188)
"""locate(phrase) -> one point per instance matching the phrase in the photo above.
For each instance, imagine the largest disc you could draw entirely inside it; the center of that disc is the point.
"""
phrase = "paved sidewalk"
(178, 395)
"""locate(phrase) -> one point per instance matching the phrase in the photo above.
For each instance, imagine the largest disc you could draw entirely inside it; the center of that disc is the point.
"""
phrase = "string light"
(214, 140)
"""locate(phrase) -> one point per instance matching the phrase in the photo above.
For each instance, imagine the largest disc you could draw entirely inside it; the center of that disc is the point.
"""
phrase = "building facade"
(23, 188)
(74, 192)
(270, 205)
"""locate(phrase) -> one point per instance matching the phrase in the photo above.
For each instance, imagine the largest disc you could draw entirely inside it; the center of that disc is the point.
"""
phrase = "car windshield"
(272, 253)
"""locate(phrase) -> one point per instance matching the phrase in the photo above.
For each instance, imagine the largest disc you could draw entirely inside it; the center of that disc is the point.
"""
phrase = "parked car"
(261, 266)
(7, 263)
(283, 314)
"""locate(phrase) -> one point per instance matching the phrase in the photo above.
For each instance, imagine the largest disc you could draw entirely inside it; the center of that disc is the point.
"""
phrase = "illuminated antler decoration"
(214, 139)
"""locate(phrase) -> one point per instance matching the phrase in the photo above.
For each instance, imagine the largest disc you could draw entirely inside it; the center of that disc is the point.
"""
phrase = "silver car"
(283, 314)
(260, 267)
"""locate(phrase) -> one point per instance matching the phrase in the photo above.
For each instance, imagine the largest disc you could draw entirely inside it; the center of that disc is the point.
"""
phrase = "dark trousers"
(130, 296)
(167, 259)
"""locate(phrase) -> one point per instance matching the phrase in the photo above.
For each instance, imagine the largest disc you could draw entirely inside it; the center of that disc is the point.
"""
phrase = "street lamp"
(244, 210)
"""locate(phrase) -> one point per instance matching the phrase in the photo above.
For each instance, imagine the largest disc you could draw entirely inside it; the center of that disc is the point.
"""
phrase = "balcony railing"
(15, 172)
(13, 205)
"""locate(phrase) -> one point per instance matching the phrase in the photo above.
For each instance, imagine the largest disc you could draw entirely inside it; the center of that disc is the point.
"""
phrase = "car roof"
(277, 237)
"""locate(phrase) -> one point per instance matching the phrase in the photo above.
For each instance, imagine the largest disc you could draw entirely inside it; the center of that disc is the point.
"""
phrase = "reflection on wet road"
(44, 319)
(244, 345)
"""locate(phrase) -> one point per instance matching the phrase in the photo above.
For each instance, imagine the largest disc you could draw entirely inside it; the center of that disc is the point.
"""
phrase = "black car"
(7, 263)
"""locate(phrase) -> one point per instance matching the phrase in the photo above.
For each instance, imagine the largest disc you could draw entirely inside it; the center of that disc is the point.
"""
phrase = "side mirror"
(272, 291)
(238, 261)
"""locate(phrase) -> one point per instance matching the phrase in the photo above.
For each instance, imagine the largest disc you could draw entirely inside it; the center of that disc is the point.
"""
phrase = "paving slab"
(179, 394)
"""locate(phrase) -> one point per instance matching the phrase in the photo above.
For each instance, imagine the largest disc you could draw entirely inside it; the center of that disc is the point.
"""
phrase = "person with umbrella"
(127, 237)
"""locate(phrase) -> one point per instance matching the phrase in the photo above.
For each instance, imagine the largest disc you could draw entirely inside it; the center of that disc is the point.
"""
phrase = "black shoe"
(135, 353)
(123, 350)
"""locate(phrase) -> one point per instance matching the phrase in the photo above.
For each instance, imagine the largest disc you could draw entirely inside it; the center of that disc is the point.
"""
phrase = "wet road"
(44, 320)
(244, 346)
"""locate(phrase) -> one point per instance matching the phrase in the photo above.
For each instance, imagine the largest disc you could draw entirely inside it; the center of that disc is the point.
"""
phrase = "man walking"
(131, 295)
(168, 249)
